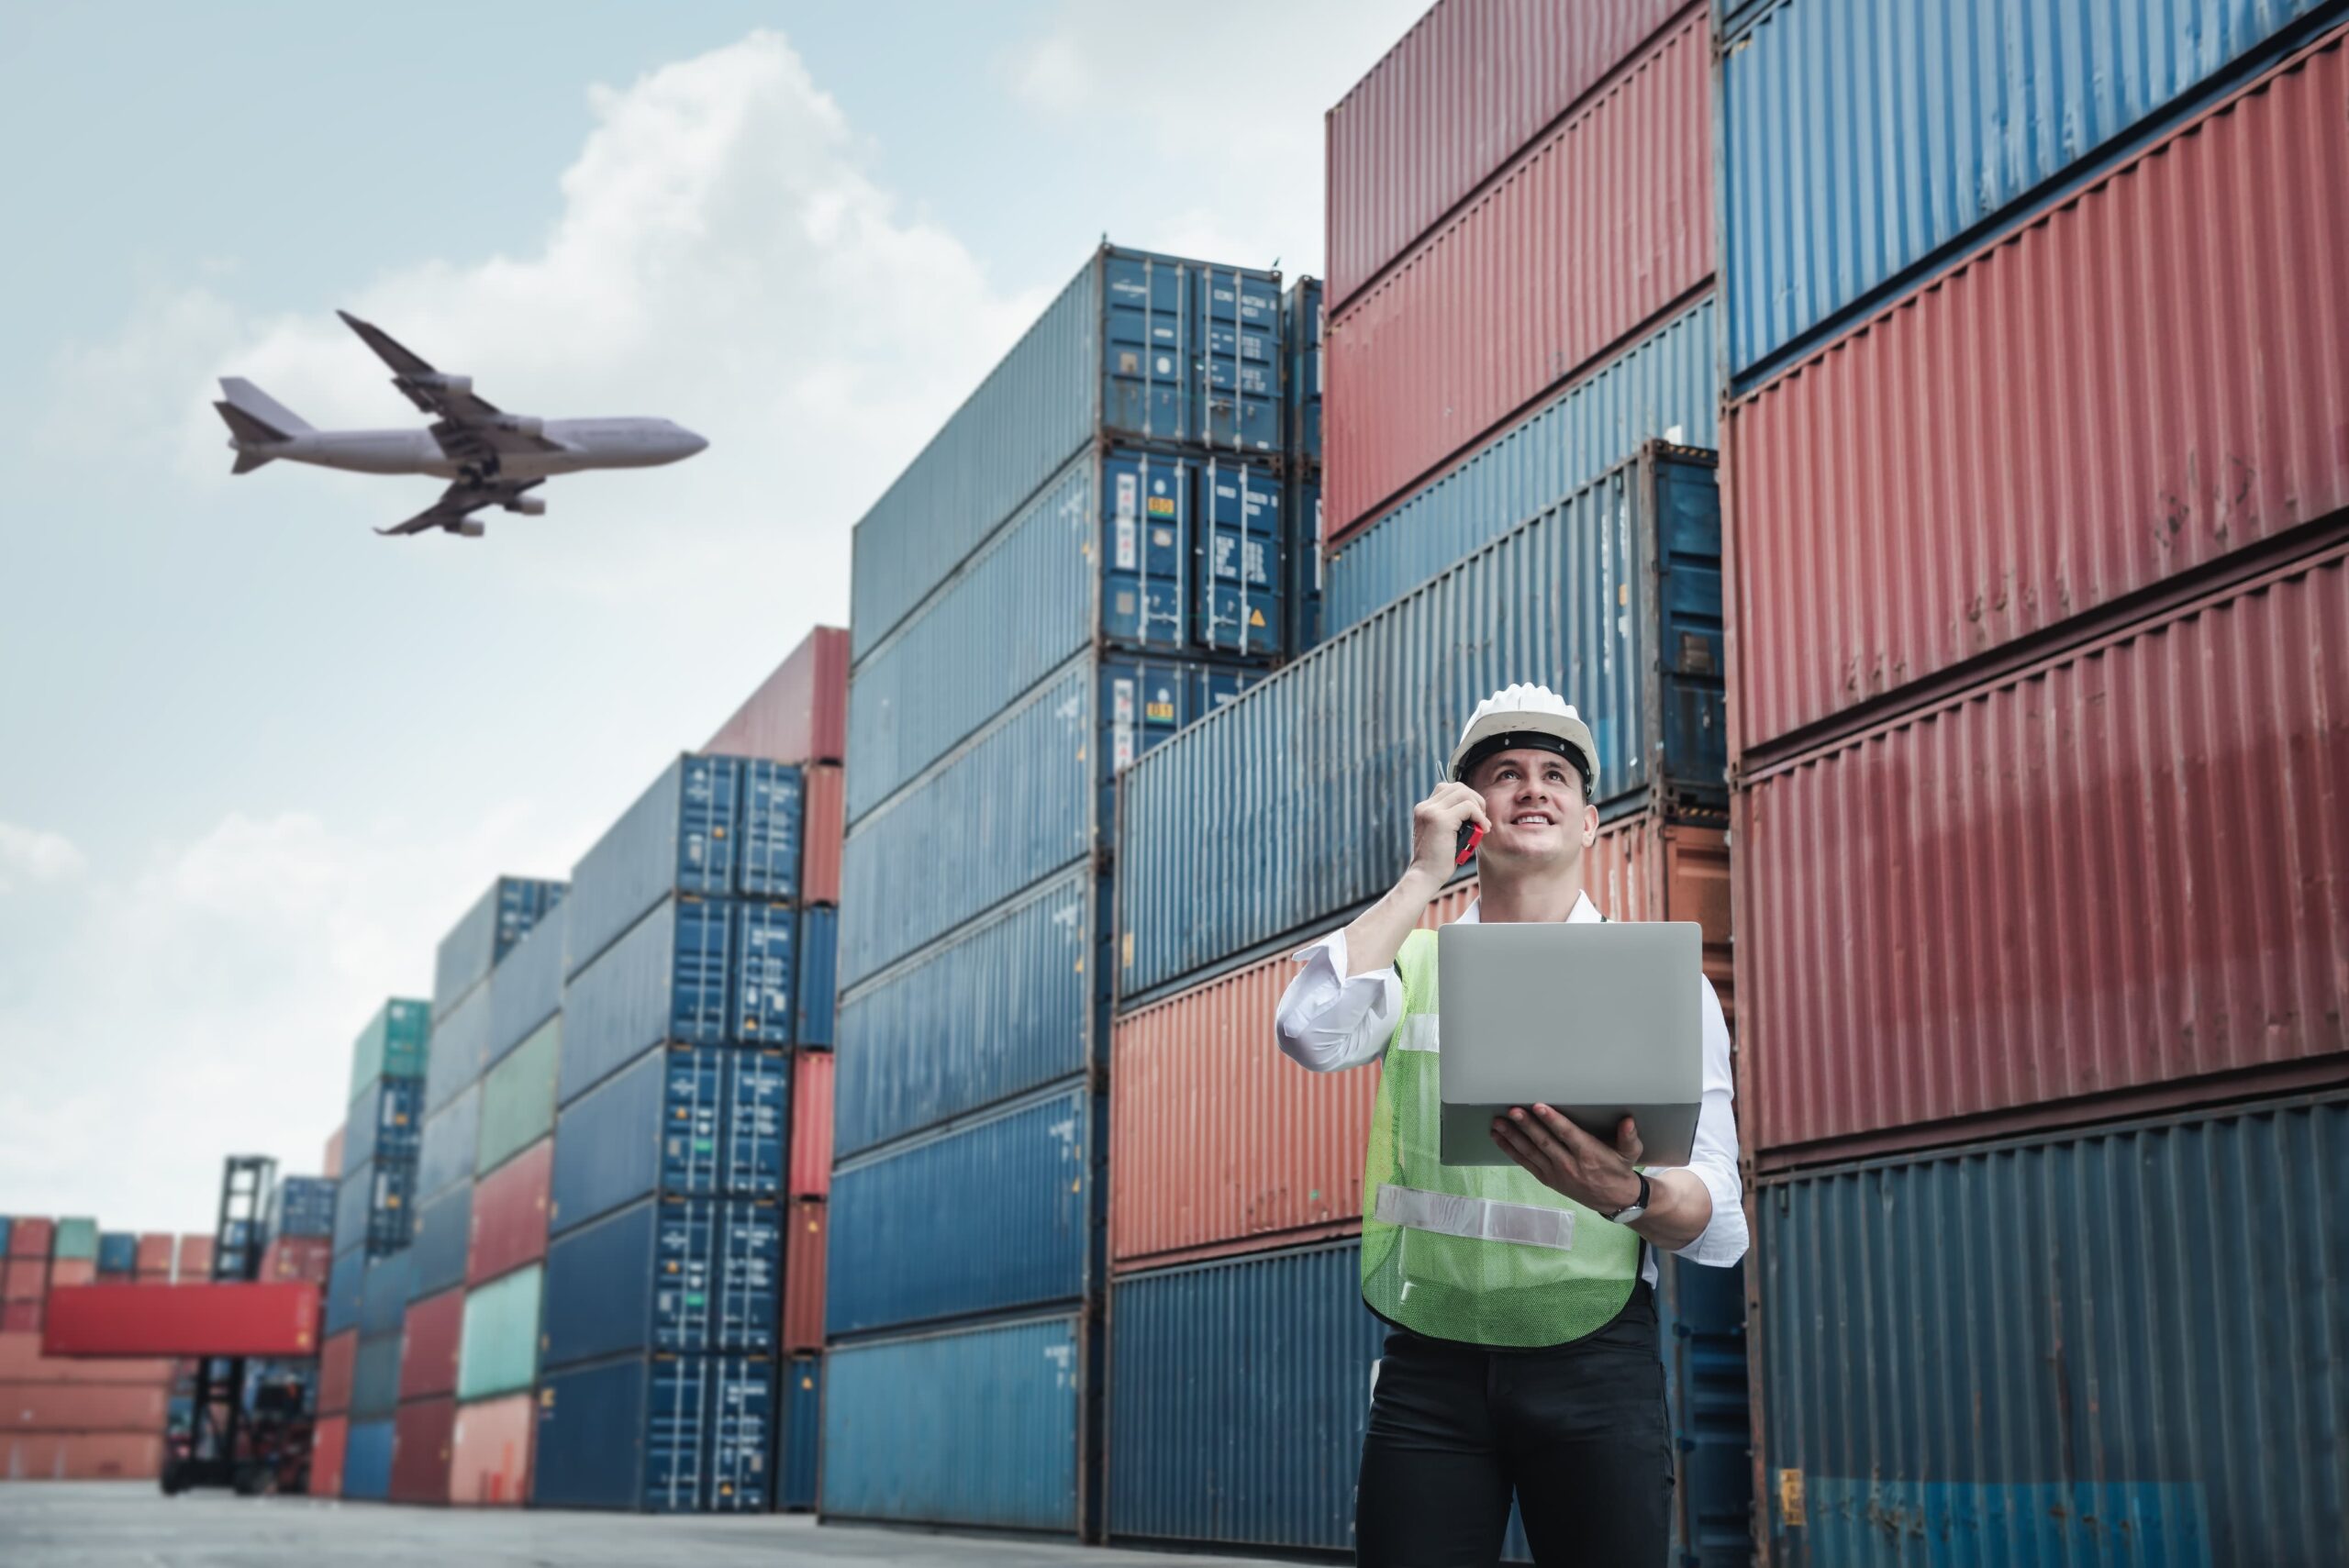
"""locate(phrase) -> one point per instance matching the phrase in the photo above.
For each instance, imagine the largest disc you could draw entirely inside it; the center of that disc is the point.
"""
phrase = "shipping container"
(72, 1271)
(155, 1247)
(811, 1123)
(820, 838)
(509, 1214)
(1015, 1470)
(1469, 85)
(444, 1232)
(985, 1215)
(460, 1050)
(657, 1434)
(22, 1317)
(489, 1463)
(766, 972)
(481, 940)
(678, 836)
(805, 1222)
(431, 1335)
(816, 997)
(329, 1439)
(31, 1237)
(2128, 859)
(2107, 1347)
(1301, 342)
(799, 713)
(25, 1279)
(338, 1365)
(671, 978)
(375, 1376)
(420, 1445)
(1661, 388)
(1000, 1010)
(448, 1144)
(501, 1334)
(1612, 600)
(75, 1239)
(298, 1205)
(1138, 348)
(195, 1258)
(394, 1044)
(82, 1407)
(346, 1291)
(309, 1259)
(1843, 183)
(81, 1456)
(767, 841)
(386, 1121)
(1306, 624)
(372, 1209)
(21, 1362)
(3, 1235)
(673, 1274)
(117, 1252)
(699, 1121)
(246, 1319)
(367, 1460)
(2045, 431)
(330, 1161)
(800, 1433)
(1479, 320)
(391, 1281)
(517, 1098)
(527, 988)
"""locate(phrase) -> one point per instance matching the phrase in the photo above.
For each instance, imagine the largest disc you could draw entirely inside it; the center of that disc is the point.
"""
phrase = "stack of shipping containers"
(1519, 319)
(2041, 629)
(63, 1419)
(1087, 556)
(1301, 462)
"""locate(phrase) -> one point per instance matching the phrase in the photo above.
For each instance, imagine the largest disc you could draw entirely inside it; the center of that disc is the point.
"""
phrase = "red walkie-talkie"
(1471, 834)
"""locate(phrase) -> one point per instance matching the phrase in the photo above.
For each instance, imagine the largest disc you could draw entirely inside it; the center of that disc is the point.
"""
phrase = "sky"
(254, 761)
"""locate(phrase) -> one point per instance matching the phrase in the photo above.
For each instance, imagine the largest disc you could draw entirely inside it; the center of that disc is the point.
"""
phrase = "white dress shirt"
(1328, 1019)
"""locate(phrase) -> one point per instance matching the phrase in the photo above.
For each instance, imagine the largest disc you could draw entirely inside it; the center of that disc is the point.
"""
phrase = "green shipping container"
(518, 1098)
(76, 1239)
(499, 1352)
(392, 1045)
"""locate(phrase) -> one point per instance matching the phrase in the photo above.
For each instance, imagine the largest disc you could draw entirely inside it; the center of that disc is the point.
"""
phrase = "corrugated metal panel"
(678, 836)
(1465, 89)
(700, 1120)
(1860, 140)
(805, 1222)
(392, 1045)
(1303, 505)
(298, 1205)
(1301, 345)
(337, 1365)
(820, 948)
(429, 1340)
(443, 1229)
(675, 1274)
(383, 1299)
(767, 850)
(345, 1289)
(1661, 384)
(2144, 380)
(479, 939)
(375, 1375)
(1480, 316)
(517, 1098)
(811, 1123)
(2120, 868)
(372, 1210)
(509, 1214)
(671, 978)
(827, 826)
(802, 1432)
(501, 1335)
(799, 714)
(489, 1452)
(1015, 1470)
(527, 987)
(2117, 1346)
(460, 1051)
(118, 1251)
(31, 1238)
(766, 972)
(1612, 600)
(328, 1443)
(997, 1011)
(155, 1246)
(451, 1137)
(659, 1434)
(367, 1460)
(984, 1216)
(387, 1118)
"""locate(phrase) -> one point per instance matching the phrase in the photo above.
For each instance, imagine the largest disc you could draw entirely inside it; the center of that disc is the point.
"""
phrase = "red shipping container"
(81, 1456)
(428, 1344)
(799, 714)
(24, 1279)
(72, 1271)
(1603, 225)
(1224, 1145)
(31, 1238)
(2147, 378)
(308, 1258)
(1472, 83)
(509, 1219)
(21, 1318)
(811, 1123)
(2119, 876)
(820, 835)
(155, 1254)
(21, 1362)
(804, 1227)
(195, 1257)
(489, 1464)
(228, 1319)
(83, 1407)
(329, 1441)
(421, 1450)
(338, 1363)
(330, 1164)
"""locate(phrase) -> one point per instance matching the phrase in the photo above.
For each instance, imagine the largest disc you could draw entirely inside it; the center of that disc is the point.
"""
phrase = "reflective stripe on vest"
(1478, 1218)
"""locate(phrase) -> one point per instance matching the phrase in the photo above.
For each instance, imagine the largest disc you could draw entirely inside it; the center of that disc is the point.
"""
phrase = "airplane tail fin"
(254, 419)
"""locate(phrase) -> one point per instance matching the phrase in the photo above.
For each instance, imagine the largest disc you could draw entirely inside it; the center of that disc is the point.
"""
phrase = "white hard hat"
(1522, 716)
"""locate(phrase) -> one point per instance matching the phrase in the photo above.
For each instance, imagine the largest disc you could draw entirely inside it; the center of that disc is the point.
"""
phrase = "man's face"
(1534, 799)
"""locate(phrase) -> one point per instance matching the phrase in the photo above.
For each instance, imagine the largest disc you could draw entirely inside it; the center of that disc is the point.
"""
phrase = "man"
(1525, 1366)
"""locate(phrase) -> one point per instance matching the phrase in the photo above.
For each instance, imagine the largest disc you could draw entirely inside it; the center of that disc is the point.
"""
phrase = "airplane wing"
(458, 501)
(469, 427)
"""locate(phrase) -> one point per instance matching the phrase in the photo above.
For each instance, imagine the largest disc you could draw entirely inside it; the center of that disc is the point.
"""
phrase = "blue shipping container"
(372, 1208)
(657, 1434)
(766, 968)
(375, 1375)
(117, 1252)
(5, 1224)
(1662, 388)
(526, 988)
(2116, 1347)
(298, 1205)
(986, 1216)
(445, 1151)
(1142, 348)
(1862, 143)
(1294, 804)
(1305, 610)
(1004, 1008)
(802, 1429)
(700, 1121)
(1017, 1469)
(671, 978)
(460, 1050)
(487, 932)
(346, 1290)
(383, 1300)
(1301, 339)
(367, 1461)
(677, 837)
(767, 850)
(387, 1121)
(682, 1274)
(443, 1232)
(815, 1004)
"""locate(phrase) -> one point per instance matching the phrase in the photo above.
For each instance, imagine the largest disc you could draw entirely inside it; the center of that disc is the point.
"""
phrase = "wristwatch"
(1639, 1206)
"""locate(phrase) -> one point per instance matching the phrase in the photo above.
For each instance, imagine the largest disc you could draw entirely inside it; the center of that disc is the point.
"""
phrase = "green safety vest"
(1483, 1254)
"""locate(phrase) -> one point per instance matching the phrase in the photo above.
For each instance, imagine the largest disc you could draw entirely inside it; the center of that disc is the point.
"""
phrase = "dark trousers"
(1577, 1434)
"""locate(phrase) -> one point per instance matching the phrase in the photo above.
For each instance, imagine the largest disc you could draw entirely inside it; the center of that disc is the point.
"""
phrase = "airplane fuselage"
(586, 443)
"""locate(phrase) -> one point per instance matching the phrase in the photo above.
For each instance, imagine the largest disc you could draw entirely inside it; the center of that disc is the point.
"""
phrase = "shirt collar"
(1583, 913)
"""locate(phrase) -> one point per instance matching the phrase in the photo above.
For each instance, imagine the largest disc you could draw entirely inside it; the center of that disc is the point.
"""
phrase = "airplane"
(491, 457)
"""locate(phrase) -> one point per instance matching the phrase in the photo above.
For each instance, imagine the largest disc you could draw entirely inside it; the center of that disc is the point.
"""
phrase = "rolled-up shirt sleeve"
(1328, 1019)
(1713, 1156)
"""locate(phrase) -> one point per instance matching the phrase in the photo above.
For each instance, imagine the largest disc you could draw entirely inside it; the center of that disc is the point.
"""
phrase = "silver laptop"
(1599, 1020)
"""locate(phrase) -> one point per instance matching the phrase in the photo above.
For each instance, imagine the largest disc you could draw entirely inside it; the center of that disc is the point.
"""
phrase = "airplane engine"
(522, 424)
(469, 528)
(528, 506)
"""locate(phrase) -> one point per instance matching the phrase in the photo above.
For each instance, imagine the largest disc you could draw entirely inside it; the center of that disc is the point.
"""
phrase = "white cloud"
(35, 856)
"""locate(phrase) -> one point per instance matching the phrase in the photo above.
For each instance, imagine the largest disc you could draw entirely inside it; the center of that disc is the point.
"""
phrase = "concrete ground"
(111, 1524)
